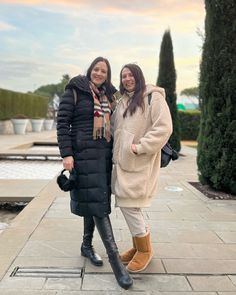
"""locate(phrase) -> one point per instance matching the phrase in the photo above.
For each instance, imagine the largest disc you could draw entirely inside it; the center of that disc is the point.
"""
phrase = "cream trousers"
(135, 221)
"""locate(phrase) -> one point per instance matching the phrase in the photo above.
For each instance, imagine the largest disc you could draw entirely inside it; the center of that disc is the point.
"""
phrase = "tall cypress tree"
(167, 80)
(217, 139)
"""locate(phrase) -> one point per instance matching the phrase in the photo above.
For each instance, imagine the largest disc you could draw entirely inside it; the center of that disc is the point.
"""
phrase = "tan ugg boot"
(128, 255)
(143, 255)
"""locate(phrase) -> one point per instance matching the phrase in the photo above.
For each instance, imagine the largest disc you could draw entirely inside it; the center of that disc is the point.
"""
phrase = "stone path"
(194, 241)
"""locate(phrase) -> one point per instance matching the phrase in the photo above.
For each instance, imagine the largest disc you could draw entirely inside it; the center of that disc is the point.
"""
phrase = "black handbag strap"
(149, 98)
(167, 147)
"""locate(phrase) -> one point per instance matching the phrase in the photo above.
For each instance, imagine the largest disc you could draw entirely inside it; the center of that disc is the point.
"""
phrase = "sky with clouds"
(42, 40)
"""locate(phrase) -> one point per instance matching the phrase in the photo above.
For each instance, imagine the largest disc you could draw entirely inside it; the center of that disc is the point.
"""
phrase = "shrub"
(167, 80)
(189, 124)
(217, 139)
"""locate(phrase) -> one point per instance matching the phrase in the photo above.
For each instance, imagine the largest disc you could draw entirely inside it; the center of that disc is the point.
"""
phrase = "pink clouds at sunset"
(162, 7)
(60, 37)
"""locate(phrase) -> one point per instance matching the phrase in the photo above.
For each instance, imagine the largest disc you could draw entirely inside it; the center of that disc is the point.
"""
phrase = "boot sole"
(136, 271)
(127, 287)
(95, 264)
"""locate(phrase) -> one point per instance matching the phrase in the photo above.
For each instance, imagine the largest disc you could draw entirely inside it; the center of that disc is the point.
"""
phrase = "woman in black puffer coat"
(85, 143)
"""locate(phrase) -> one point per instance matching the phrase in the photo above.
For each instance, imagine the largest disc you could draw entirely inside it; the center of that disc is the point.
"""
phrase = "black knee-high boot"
(87, 249)
(105, 230)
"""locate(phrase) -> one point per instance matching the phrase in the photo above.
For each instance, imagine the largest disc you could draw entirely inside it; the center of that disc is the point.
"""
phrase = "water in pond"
(23, 169)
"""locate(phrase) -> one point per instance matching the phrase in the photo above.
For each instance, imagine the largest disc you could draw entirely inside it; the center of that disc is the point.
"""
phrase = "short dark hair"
(140, 86)
(108, 86)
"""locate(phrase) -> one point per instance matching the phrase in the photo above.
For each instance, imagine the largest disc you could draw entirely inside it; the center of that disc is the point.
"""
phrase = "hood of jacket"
(80, 82)
(151, 88)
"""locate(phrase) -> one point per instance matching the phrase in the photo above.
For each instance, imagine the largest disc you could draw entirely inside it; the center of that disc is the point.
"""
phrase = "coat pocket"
(127, 160)
(126, 157)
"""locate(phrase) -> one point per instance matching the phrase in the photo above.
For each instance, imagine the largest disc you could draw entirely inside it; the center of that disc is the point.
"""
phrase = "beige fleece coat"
(135, 176)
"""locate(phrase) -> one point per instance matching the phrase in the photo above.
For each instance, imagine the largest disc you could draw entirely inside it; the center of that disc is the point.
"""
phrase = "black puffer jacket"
(92, 158)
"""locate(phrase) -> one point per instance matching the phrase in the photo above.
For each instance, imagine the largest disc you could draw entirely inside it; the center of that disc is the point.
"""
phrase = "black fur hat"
(67, 184)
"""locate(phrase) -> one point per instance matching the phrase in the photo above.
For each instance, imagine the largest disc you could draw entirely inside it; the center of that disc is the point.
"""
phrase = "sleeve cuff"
(139, 149)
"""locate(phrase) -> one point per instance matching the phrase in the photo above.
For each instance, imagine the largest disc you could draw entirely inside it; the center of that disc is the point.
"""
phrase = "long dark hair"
(107, 86)
(140, 86)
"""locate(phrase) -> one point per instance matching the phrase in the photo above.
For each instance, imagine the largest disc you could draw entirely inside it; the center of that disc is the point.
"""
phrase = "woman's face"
(127, 80)
(99, 73)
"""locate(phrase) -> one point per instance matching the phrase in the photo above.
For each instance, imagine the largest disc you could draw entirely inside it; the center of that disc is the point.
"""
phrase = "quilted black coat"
(92, 158)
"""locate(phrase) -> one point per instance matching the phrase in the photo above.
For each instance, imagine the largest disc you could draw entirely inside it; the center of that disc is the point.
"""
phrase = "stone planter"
(48, 124)
(36, 124)
(6, 127)
(19, 125)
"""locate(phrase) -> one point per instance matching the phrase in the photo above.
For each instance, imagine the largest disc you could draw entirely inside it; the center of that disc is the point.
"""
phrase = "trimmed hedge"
(13, 103)
(189, 122)
(216, 158)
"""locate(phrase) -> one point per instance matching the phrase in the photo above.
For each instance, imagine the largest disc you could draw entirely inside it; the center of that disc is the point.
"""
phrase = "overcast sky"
(39, 42)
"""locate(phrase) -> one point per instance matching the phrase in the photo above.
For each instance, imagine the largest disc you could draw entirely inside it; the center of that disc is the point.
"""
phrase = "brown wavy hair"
(140, 86)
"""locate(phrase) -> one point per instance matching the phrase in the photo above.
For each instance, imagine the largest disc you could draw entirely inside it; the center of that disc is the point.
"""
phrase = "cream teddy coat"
(135, 176)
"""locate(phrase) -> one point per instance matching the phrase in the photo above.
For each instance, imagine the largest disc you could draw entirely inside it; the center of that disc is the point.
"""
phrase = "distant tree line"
(192, 91)
(51, 89)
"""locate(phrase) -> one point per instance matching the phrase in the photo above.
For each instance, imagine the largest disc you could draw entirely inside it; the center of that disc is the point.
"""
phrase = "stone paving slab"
(193, 225)
(49, 292)
(30, 153)
(20, 190)
(50, 249)
(155, 267)
(217, 216)
(63, 284)
(227, 236)
(71, 262)
(5, 262)
(22, 283)
(51, 230)
(12, 291)
(12, 141)
(141, 283)
(186, 236)
(174, 216)
(102, 292)
(233, 279)
(200, 251)
(136, 293)
(211, 283)
(200, 266)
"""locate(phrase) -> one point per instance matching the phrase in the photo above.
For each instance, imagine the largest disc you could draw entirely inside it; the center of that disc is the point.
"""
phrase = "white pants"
(135, 221)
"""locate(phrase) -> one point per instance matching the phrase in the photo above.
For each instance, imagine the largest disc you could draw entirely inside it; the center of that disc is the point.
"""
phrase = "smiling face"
(99, 73)
(127, 79)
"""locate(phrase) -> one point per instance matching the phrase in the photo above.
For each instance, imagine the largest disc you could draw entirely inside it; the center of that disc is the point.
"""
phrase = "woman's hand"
(133, 148)
(68, 163)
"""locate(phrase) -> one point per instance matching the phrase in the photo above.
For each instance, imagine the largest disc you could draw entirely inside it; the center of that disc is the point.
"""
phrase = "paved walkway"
(194, 240)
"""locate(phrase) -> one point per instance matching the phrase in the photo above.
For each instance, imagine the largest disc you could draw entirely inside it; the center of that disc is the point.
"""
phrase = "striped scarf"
(102, 112)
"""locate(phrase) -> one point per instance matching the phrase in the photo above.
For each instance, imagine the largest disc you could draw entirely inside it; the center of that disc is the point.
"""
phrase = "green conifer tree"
(167, 80)
(217, 138)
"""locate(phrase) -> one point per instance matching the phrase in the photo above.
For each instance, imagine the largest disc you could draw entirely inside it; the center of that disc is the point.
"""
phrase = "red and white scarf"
(102, 113)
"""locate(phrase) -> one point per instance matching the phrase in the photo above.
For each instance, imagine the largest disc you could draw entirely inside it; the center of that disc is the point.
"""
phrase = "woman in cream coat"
(141, 129)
